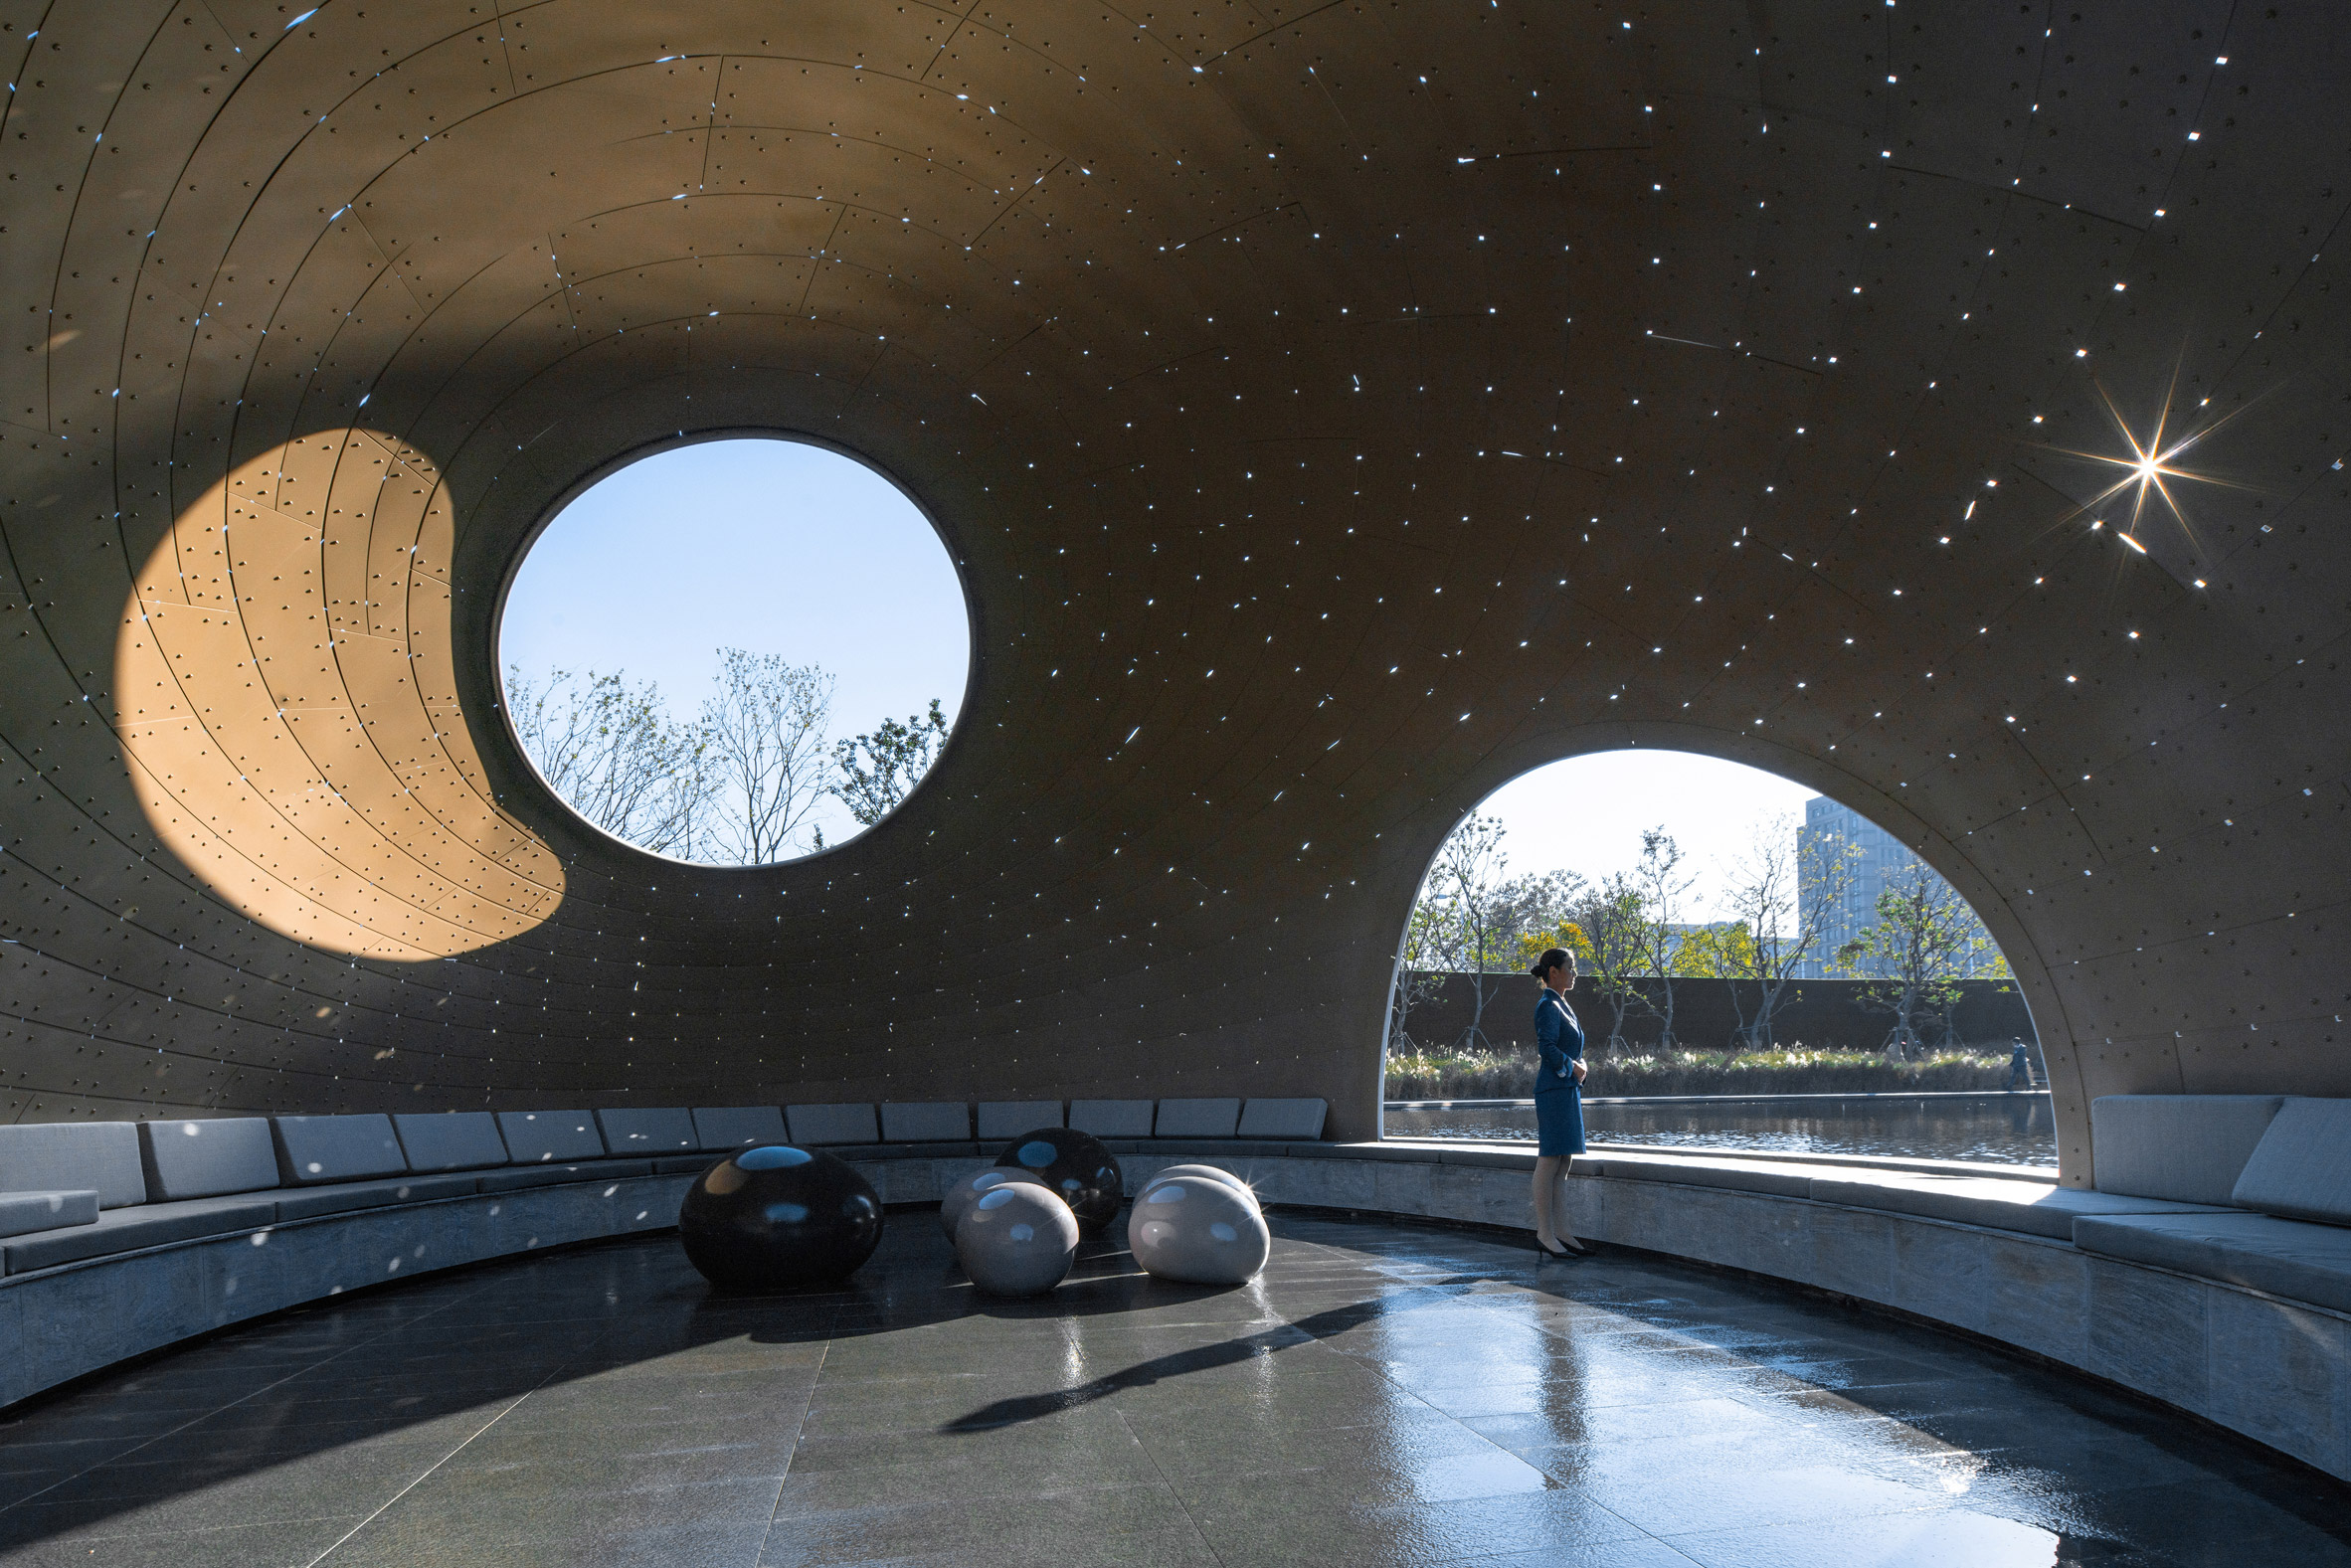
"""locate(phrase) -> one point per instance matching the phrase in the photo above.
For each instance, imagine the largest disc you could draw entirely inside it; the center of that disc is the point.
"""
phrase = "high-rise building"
(1875, 856)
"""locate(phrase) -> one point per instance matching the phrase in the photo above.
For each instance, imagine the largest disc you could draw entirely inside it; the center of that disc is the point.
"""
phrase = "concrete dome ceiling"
(1334, 410)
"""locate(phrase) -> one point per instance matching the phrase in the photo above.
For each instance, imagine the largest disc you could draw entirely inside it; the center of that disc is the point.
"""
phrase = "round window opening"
(735, 652)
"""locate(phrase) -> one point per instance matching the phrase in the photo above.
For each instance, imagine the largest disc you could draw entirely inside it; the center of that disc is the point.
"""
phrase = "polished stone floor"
(1382, 1395)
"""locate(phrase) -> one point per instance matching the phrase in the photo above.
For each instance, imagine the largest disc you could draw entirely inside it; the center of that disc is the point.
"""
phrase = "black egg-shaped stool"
(1076, 1165)
(775, 1218)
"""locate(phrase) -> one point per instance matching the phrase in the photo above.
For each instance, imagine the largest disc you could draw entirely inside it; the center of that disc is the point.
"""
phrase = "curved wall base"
(69, 1322)
(2276, 1370)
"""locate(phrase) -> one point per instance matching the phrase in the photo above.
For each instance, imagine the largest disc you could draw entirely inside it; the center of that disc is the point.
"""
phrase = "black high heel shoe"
(1562, 1252)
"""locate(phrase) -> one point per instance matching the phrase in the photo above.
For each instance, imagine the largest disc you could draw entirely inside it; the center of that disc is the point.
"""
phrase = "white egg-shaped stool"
(1205, 1173)
(965, 1193)
(1200, 1231)
(1018, 1239)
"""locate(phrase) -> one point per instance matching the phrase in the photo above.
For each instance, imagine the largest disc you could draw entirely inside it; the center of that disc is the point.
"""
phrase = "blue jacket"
(1558, 1040)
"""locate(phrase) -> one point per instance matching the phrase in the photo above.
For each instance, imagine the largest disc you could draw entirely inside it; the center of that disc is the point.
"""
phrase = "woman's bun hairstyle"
(1552, 959)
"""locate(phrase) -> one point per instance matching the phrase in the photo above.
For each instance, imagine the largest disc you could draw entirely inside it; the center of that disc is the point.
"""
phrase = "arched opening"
(1760, 966)
(734, 651)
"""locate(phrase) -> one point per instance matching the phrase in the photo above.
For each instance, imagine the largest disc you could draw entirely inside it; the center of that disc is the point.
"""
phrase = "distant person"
(2020, 1067)
(1558, 1103)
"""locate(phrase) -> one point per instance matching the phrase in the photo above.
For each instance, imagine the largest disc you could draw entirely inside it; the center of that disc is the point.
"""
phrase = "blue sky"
(774, 546)
(1587, 814)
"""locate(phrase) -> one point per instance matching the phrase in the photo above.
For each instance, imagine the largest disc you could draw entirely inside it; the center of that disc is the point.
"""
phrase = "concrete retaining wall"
(1821, 1013)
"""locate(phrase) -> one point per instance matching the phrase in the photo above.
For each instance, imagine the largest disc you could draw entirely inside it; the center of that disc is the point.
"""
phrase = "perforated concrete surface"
(1334, 410)
(1382, 1395)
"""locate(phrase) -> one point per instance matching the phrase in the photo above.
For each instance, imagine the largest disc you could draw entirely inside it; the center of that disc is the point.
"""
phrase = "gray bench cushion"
(453, 1141)
(24, 1212)
(649, 1131)
(518, 1178)
(1004, 1119)
(1284, 1118)
(944, 1121)
(739, 1127)
(203, 1159)
(535, 1138)
(145, 1225)
(1110, 1117)
(2190, 1147)
(683, 1165)
(2301, 1168)
(345, 1196)
(1197, 1119)
(1975, 1200)
(2290, 1257)
(312, 1150)
(73, 1156)
(832, 1123)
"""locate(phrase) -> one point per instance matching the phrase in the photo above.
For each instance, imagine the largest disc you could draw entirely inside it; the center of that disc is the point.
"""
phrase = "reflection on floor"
(1381, 1396)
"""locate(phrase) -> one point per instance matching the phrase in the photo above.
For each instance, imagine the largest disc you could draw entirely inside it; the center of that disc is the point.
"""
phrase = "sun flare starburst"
(2152, 466)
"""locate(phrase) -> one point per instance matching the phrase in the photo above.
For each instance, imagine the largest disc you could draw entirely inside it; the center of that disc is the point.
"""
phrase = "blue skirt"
(1558, 1120)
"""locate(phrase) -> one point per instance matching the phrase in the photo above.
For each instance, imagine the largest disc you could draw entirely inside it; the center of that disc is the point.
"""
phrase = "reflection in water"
(2006, 1129)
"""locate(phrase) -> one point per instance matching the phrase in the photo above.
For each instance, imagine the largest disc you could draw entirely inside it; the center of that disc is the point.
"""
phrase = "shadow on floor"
(322, 1419)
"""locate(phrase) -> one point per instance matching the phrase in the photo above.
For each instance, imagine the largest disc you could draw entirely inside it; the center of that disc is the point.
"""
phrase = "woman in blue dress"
(1558, 1103)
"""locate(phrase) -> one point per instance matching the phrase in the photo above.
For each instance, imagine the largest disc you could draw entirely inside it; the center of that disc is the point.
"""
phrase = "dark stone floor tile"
(1953, 1539)
(426, 1541)
(565, 1463)
(1268, 1526)
(1422, 1448)
(1179, 1547)
(1341, 1477)
(543, 1500)
(1382, 1395)
(1092, 1435)
(1013, 1526)
(1702, 1496)
(2193, 1521)
(1569, 1423)
(1642, 1553)
(284, 1544)
(122, 1498)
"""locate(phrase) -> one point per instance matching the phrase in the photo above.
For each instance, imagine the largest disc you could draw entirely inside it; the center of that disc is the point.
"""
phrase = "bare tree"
(773, 765)
(1418, 978)
(1663, 885)
(1782, 892)
(1470, 915)
(1462, 889)
(613, 754)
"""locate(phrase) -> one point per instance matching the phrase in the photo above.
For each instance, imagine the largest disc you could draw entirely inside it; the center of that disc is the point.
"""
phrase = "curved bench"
(1998, 1251)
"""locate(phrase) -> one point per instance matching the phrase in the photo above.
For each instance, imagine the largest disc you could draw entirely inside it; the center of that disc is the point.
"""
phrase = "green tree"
(1613, 920)
(1418, 979)
(1912, 953)
(879, 770)
(1470, 914)
(1723, 951)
